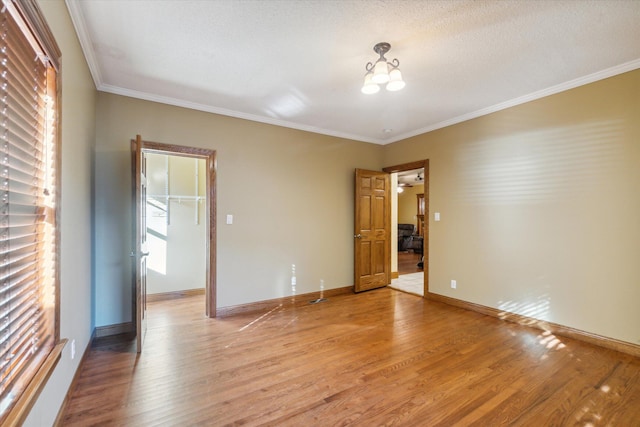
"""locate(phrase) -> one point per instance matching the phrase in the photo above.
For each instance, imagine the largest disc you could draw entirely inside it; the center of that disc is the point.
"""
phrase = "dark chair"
(405, 236)
(416, 244)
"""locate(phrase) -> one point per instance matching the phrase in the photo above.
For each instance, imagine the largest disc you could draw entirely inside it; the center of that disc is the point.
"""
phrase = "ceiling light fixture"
(382, 72)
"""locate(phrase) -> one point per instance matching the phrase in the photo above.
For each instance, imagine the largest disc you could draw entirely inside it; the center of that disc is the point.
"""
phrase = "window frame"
(35, 28)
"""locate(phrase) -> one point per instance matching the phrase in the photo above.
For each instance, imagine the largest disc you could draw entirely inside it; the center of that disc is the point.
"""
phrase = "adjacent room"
(410, 223)
(296, 213)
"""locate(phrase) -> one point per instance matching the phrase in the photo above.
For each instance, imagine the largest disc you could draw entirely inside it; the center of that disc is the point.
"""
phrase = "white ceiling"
(300, 63)
(411, 178)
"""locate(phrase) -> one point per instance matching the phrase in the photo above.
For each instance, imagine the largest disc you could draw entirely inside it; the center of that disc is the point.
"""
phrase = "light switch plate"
(437, 216)
(229, 219)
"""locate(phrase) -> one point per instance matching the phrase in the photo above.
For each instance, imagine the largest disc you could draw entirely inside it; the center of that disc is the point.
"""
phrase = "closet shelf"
(179, 198)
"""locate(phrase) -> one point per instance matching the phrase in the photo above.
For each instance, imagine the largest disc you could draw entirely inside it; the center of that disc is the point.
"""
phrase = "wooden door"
(372, 230)
(140, 252)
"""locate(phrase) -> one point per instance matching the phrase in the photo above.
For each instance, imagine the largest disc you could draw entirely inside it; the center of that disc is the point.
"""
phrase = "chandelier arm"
(395, 63)
(368, 67)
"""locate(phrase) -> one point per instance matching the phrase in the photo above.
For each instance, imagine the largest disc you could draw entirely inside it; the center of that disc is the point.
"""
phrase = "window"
(28, 200)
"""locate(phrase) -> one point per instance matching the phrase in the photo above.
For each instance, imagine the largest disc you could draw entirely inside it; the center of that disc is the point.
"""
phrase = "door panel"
(379, 257)
(372, 237)
(365, 213)
(365, 257)
(379, 207)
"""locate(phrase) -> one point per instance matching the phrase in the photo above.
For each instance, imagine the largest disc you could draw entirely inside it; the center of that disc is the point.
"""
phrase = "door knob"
(358, 236)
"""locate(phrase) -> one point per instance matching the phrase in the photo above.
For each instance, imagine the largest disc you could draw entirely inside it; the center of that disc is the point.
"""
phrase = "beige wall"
(408, 205)
(540, 207)
(177, 247)
(78, 131)
(300, 210)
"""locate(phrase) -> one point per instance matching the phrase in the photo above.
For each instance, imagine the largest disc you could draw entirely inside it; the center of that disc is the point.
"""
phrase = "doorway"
(412, 224)
(175, 208)
(206, 177)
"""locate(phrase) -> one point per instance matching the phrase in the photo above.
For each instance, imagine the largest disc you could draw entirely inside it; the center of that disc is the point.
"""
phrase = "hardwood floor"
(381, 357)
(408, 262)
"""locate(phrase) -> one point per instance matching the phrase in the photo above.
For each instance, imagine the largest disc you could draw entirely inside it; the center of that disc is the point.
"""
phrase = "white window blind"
(28, 190)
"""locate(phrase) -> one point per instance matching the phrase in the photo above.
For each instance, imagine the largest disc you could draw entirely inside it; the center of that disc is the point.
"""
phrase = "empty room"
(209, 208)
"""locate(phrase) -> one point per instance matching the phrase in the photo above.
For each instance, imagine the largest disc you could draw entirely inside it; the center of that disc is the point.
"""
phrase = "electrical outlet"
(454, 284)
(73, 349)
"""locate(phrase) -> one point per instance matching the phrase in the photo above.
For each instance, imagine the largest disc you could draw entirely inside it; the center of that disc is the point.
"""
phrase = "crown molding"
(571, 84)
(77, 18)
(581, 81)
(116, 90)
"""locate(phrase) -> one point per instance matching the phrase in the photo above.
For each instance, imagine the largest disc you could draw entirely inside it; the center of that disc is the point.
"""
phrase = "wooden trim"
(120, 328)
(425, 231)
(290, 301)
(58, 216)
(19, 412)
(162, 148)
(163, 296)
(419, 164)
(210, 157)
(425, 241)
(67, 398)
(556, 329)
(394, 275)
(38, 25)
(134, 225)
(139, 314)
(211, 287)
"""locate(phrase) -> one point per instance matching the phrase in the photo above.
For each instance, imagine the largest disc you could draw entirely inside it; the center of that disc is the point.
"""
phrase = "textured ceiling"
(300, 63)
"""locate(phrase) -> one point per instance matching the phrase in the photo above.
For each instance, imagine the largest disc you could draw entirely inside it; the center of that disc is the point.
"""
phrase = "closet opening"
(176, 226)
(178, 213)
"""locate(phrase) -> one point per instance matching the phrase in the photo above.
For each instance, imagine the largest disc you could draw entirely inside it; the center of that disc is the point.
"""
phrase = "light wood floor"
(378, 358)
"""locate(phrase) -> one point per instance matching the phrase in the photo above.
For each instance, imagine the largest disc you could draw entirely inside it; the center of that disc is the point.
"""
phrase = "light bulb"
(369, 87)
(395, 80)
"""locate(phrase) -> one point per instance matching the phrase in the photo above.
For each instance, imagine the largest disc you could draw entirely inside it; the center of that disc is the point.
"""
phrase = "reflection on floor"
(411, 283)
(408, 262)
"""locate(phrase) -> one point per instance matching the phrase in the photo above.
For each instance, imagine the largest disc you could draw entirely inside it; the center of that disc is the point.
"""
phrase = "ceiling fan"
(419, 178)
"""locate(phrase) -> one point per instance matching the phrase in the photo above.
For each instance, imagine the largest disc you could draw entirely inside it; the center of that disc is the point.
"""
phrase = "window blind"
(28, 274)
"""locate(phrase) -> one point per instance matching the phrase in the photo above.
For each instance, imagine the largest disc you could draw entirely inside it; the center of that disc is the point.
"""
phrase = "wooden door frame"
(425, 242)
(210, 160)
